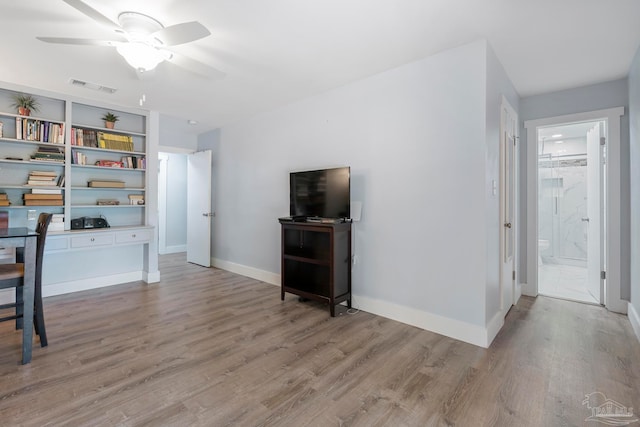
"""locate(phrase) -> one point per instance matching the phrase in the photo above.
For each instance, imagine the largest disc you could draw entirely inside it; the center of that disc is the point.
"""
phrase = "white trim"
(174, 249)
(613, 301)
(90, 283)
(174, 150)
(462, 331)
(634, 318)
(8, 296)
(243, 270)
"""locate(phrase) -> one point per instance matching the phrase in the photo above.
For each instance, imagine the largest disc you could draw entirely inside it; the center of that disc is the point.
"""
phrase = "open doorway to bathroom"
(571, 198)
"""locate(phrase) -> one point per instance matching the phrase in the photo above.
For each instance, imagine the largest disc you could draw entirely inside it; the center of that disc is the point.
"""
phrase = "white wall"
(415, 138)
(176, 214)
(634, 120)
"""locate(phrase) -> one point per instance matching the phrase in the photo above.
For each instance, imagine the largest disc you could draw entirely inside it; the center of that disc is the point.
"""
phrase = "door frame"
(612, 206)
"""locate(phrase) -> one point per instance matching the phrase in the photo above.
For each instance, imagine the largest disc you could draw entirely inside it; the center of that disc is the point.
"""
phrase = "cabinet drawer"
(91, 241)
(56, 244)
(133, 236)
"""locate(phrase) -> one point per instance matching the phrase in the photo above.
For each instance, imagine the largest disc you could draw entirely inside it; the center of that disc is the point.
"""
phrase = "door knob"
(507, 224)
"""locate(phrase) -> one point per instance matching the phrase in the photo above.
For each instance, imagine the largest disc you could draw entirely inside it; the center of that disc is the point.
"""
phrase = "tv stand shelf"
(316, 262)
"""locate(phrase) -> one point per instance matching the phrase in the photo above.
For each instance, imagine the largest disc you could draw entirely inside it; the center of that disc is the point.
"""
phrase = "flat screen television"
(321, 193)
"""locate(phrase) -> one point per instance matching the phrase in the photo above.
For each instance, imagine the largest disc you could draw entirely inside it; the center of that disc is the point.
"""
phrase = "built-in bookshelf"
(62, 147)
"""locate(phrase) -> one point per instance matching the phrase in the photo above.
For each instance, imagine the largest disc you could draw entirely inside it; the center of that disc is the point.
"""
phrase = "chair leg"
(38, 320)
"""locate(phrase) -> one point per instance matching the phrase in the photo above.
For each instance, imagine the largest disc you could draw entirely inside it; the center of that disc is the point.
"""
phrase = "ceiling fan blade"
(195, 67)
(83, 42)
(181, 33)
(92, 13)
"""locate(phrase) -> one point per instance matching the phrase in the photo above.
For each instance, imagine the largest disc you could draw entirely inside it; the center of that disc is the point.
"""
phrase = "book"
(32, 196)
(38, 183)
(43, 202)
(46, 191)
(109, 163)
(3, 196)
(106, 184)
(5, 203)
(43, 173)
(107, 202)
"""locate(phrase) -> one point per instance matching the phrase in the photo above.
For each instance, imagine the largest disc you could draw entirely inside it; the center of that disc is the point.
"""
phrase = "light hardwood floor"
(208, 347)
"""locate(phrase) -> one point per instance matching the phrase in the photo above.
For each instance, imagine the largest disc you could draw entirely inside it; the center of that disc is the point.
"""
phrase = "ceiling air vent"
(93, 86)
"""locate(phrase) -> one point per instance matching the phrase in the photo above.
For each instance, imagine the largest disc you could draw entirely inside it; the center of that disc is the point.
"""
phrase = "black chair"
(12, 275)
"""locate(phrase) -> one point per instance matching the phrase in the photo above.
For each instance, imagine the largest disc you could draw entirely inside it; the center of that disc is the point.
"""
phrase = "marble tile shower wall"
(562, 205)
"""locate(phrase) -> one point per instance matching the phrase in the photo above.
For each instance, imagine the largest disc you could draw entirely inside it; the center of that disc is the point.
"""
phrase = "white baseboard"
(254, 273)
(463, 331)
(176, 249)
(8, 295)
(90, 283)
(452, 328)
(634, 318)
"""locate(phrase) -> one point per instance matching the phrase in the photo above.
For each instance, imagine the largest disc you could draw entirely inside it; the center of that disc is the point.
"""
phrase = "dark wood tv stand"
(316, 261)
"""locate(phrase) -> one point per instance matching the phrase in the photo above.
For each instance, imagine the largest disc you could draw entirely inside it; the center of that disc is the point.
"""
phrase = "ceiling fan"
(143, 41)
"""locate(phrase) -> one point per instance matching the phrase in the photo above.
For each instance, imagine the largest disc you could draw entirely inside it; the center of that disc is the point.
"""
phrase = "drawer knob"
(133, 235)
(93, 239)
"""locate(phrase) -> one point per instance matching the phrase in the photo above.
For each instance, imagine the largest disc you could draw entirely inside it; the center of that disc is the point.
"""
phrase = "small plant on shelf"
(110, 120)
(25, 104)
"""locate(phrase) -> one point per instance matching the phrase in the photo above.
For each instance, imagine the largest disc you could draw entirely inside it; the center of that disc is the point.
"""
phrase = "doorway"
(571, 196)
(612, 202)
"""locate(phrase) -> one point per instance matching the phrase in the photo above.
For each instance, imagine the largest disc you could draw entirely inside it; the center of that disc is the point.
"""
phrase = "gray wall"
(634, 114)
(416, 140)
(583, 99)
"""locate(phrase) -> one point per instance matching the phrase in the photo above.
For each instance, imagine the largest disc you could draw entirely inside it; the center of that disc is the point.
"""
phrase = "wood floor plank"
(206, 347)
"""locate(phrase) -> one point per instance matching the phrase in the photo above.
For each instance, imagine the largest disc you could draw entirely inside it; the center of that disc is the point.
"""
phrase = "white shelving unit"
(79, 199)
(124, 252)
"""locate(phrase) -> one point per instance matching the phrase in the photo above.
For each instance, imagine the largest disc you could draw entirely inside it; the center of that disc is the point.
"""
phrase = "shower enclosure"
(568, 187)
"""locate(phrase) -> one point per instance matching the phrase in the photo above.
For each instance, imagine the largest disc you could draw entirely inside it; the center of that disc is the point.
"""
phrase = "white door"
(507, 206)
(594, 221)
(199, 213)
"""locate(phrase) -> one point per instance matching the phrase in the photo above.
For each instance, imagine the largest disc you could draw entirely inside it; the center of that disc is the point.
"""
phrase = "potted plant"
(25, 104)
(110, 120)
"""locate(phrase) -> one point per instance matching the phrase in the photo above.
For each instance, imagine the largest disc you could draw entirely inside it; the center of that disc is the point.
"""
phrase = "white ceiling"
(277, 51)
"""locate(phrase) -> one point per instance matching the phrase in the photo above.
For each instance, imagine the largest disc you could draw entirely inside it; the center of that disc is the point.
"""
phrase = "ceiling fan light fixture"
(141, 56)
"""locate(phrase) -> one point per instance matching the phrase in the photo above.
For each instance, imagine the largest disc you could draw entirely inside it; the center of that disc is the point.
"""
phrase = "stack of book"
(57, 223)
(31, 199)
(43, 178)
(84, 137)
(97, 183)
(4, 199)
(48, 154)
(115, 142)
(109, 163)
(136, 199)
